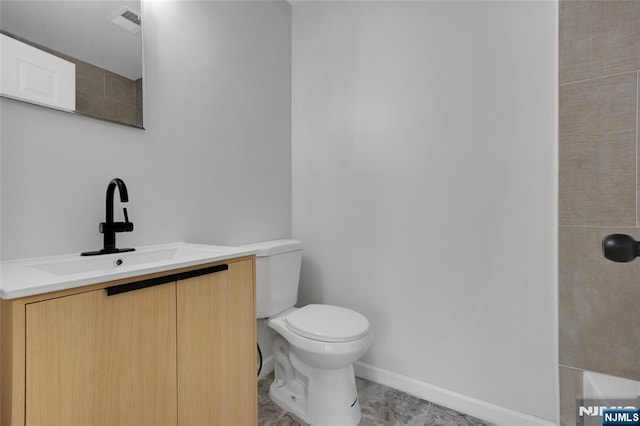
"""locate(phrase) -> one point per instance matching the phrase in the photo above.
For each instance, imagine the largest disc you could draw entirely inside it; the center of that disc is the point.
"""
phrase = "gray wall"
(424, 189)
(599, 66)
(214, 164)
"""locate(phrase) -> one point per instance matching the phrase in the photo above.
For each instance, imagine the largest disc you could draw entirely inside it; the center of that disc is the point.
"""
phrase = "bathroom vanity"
(149, 341)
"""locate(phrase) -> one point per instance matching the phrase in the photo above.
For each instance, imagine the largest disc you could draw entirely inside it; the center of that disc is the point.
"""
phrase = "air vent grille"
(131, 17)
(126, 18)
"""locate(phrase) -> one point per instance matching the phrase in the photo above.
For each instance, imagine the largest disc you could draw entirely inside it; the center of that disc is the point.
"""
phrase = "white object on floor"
(314, 347)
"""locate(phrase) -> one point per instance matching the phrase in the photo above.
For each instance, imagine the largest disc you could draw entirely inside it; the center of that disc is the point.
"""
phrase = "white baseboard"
(456, 401)
(267, 366)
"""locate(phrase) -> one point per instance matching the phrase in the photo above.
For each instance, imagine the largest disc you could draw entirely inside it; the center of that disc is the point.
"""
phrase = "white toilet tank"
(277, 275)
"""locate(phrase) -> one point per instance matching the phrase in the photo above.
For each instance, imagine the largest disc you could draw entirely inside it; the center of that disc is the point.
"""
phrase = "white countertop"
(28, 277)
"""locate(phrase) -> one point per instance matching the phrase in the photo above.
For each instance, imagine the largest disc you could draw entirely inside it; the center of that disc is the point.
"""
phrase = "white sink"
(27, 277)
(83, 264)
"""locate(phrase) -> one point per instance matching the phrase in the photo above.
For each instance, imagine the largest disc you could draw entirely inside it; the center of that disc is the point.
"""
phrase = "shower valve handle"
(620, 247)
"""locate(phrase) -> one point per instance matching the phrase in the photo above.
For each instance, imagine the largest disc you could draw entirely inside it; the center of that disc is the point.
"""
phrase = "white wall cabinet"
(30, 74)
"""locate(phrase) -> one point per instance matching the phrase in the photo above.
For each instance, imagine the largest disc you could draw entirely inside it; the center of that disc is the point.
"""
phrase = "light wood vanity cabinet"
(178, 353)
(94, 359)
(217, 382)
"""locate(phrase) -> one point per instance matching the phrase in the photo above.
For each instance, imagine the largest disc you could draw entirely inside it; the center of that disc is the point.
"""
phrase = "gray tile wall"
(598, 131)
(598, 38)
(139, 116)
(101, 93)
(598, 151)
(571, 385)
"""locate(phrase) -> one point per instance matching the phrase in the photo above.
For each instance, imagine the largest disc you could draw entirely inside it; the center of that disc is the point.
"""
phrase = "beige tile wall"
(599, 70)
(598, 38)
(598, 151)
(571, 384)
(101, 93)
(139, 116)
(599, 320)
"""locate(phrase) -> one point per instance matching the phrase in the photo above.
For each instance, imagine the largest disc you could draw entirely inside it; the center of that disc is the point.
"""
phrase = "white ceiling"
(79, 29)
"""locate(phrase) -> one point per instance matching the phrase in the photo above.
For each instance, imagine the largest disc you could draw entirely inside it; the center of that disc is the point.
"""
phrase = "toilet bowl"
(314, 350)
(324, 336)
(314, 347)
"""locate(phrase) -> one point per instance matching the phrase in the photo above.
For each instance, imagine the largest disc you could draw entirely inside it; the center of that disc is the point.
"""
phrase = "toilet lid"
(327, 323)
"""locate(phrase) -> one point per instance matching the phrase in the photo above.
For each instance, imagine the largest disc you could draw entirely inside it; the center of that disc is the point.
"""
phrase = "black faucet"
(109, 227)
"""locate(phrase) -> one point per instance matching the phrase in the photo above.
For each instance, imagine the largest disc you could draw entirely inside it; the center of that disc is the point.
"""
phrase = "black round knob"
(620, 247)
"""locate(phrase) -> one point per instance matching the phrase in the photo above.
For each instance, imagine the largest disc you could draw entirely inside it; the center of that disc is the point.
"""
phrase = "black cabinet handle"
(138, 285)
(203, 271)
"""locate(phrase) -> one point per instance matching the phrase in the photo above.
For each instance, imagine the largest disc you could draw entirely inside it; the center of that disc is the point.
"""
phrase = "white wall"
(214, 164)
(424, 186)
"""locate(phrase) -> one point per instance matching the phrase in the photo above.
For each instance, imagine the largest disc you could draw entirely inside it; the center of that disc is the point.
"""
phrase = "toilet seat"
(327, 323)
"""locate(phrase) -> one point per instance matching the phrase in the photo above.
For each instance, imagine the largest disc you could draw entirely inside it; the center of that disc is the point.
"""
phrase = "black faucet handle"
(105, 227)
(126, 226)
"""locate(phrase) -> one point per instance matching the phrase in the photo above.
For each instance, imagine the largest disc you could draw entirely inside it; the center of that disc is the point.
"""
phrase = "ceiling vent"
(126, 18)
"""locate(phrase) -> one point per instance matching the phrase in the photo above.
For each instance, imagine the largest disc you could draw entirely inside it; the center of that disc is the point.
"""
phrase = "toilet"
(314, 347)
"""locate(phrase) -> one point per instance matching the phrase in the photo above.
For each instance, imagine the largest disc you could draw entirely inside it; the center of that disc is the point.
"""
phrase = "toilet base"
(331, 397)
(293, 402)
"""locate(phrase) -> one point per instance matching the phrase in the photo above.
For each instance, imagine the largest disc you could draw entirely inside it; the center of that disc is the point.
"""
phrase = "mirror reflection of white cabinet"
(31, 74)
(103, 38)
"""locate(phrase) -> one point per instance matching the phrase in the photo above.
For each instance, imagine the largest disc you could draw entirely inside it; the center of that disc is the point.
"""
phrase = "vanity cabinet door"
(216, 332)
(99, 360)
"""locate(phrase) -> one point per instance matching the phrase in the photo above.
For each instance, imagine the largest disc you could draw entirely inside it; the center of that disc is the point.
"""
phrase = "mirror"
(78, 56)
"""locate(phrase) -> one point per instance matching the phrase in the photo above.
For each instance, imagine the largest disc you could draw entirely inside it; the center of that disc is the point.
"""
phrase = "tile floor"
(381, 406)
